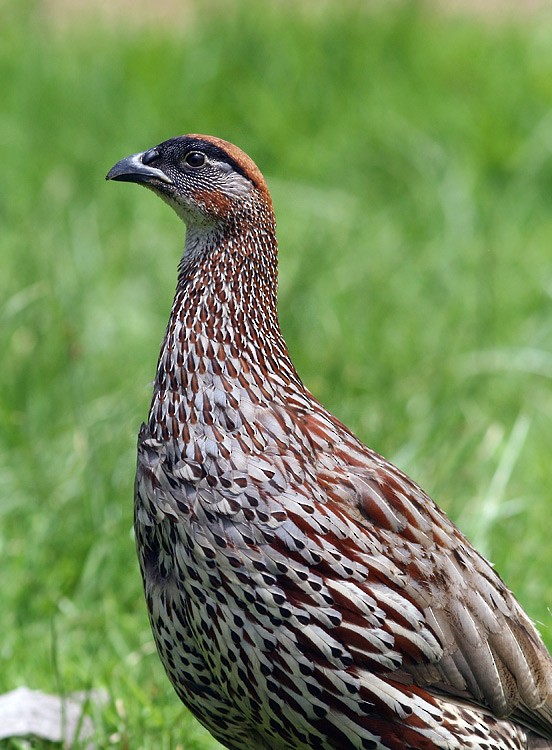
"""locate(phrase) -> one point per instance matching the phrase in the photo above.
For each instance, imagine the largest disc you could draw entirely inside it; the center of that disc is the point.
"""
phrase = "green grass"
(410, 160)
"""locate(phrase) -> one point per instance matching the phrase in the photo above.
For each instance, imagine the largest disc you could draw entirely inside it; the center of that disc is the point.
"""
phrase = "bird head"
(203, 178)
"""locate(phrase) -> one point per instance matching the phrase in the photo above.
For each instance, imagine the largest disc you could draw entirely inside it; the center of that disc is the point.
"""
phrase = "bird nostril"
(149, 156)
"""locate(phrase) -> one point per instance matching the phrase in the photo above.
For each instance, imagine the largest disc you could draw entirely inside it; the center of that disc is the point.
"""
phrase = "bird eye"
(195, 159)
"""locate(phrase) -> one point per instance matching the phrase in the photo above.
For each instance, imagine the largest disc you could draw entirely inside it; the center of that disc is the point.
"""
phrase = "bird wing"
(488, 652)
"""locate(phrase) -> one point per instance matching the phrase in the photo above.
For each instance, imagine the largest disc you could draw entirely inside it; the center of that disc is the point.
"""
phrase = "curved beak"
(133, 169)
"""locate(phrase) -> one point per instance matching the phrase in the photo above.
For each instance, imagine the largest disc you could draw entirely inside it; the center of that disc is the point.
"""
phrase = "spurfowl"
(303, 592)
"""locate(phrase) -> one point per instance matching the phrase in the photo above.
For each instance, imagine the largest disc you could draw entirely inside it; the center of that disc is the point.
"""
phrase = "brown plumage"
(303, 592)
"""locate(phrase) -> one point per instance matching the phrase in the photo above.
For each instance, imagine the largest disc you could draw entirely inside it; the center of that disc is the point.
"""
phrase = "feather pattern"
(303, 592)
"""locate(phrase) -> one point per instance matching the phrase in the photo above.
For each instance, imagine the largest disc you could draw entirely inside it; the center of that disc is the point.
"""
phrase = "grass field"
(410, 159)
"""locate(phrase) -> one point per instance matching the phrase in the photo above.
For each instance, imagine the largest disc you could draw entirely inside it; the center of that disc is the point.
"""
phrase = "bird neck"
(223, 343)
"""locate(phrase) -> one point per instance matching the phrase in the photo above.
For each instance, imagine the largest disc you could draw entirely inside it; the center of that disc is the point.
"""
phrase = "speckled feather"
(303, 592)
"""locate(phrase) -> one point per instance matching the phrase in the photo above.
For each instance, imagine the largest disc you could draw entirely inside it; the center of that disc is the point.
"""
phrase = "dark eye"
(195, 159)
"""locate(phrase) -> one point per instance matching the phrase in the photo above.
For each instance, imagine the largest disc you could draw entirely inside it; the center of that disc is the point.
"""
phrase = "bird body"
(303, 592)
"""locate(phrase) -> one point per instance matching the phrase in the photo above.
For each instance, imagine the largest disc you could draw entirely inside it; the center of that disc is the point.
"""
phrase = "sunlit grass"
(409, 157)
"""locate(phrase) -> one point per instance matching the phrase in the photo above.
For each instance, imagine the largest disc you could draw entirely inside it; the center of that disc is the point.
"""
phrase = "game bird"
(304, 594)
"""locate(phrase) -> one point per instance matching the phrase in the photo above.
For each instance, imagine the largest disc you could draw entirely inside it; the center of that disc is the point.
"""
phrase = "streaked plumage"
(303, 592)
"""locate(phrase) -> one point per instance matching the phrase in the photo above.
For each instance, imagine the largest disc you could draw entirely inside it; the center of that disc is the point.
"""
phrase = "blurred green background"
(409, 153)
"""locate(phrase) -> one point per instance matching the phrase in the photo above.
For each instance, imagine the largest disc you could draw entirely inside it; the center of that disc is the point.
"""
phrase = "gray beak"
(133, 169)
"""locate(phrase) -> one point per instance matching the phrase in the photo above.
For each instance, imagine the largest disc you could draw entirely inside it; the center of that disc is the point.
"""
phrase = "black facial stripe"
(178, 147)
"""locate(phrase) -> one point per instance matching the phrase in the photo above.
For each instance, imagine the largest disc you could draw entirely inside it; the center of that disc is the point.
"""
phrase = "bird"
(303, 592)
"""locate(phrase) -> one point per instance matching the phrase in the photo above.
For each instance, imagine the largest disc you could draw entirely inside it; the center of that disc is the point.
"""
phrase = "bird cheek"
(212, 202)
